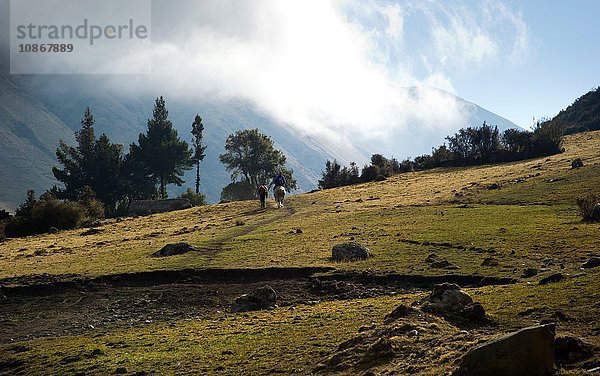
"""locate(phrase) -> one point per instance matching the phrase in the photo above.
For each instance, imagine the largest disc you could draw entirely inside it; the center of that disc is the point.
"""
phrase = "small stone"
(577, 163)
(529, 272)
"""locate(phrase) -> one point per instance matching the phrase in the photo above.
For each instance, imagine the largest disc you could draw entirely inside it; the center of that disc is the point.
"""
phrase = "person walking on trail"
(279, 180)
(262, 193)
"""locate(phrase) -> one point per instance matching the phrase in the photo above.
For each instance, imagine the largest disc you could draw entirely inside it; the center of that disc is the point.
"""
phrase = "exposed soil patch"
(43, 305)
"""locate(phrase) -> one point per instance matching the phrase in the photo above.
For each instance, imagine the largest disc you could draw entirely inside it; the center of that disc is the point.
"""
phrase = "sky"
(342, 67)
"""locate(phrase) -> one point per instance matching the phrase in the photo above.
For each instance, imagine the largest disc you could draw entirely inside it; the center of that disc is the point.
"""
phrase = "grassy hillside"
(583, 115)
(184, 326)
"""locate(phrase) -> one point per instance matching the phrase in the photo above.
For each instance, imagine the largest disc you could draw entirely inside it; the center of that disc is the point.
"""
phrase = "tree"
(330, 178)
(78, 162)
(197, 148)
(383, 163)
(251, 157)
(94, 163)
(162, 154)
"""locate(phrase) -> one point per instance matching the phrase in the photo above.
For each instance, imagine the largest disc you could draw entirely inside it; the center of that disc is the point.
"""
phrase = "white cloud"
(337, 67)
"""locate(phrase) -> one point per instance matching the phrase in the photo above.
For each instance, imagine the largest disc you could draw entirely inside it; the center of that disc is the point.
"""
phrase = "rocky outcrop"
(529, 351)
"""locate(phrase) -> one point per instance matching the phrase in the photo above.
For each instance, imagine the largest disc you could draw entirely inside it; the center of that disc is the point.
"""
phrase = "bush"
(589, 206)
(61, 215)
(45, 215)
(93, 208)
(197, 199)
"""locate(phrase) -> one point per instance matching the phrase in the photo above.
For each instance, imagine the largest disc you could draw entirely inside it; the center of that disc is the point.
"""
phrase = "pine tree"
(78, 162)
(164, 156)
(197, 148)
(94, 163)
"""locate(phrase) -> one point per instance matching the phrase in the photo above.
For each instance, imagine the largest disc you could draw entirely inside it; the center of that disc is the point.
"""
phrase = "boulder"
(591, 263)
(448, 297)
(174, 249)
(529, 351)
(261, 298)
(349, 252)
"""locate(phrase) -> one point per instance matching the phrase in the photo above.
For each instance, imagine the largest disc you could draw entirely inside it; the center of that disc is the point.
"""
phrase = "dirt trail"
(215, 246)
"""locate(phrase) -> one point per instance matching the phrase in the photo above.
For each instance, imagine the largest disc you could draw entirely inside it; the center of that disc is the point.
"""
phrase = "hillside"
(583, 115)
(104, 305)
(50, 99)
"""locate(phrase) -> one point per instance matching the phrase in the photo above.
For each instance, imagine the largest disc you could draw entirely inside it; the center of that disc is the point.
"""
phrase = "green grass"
(449, 212)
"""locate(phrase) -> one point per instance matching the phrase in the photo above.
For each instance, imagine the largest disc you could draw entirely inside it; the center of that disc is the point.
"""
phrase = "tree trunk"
(198, 177)
(162, 187)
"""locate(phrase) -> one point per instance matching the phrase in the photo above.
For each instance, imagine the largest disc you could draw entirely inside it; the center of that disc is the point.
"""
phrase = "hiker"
(262, 193)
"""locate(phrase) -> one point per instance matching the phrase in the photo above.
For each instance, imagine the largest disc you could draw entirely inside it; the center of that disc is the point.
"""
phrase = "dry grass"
(532, 221)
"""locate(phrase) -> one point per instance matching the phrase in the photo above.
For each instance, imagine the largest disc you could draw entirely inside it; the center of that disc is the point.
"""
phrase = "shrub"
(93, 208)
(589, 206)
(44, 215)
(197, 199)
(53, 213)
(2, 235)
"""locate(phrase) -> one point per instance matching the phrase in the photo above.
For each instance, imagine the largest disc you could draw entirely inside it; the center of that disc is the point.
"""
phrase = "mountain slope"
(29, 135)
(60, 100)
(583, 115)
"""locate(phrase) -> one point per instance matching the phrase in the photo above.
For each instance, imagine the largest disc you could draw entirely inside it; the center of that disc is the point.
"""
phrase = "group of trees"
(99, 179)
(159, 158)
(469, 146)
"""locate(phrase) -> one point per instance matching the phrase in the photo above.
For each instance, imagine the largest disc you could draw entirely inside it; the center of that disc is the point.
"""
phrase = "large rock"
(448, 297)
(349, 252)
(261, 298)
(529, 351)
(174, 249)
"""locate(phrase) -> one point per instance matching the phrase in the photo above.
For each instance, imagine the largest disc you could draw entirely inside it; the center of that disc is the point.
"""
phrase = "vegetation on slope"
(529, 220)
